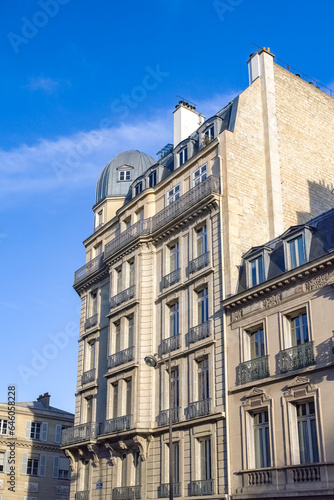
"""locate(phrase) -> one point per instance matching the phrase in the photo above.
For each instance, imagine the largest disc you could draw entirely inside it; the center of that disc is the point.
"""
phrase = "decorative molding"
(319, 282)
(122, 445)
(93, 450)
(255, 398)
(143, 444)
(271, 301)
(236, 315)
(299, 387)
(112, 453)
(31, 487)
(70, 456)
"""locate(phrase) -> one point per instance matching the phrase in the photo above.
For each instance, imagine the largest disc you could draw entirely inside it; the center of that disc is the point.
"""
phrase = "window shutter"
(58, 434)
(44, 433)
(6, 466)
(41, 465)
(55, 467)
(27, 429)
(24, 463)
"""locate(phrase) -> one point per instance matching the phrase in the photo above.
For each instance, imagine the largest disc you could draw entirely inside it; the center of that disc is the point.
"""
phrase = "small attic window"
(125, 175)
(257, 265)
(139, 188)
(297, 244)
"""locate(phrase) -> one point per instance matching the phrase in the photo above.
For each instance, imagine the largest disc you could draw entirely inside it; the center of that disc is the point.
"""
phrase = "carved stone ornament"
(143, 444)
(319, 281)
(236, 315)
(31, 487)
(93, 450)
(122, 445)
(112, 454)
(256, 397)
(299, 387)
(69, 455)
(272, 301)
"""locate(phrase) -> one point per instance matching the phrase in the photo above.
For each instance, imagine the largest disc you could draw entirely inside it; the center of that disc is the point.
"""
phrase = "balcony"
(188, 200)
(117, 424)
(88, 376)
(163, 490)
(170, 344)
(171, 278)
(296, 357)
(199, 263)
(91, 267)
(200, 488)
(255, 369)
(198, 409)
(90, 322)
(126, 493)
(199, 332)
(121, 357)
(82, 495)
(138, 229)
(80, 433)
(121, 297)
(163, 417)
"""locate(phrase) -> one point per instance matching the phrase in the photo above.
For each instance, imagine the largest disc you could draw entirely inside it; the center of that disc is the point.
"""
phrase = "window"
(90, 361)
(139, 188)
(174, 320)
(93, 303)
(296, 252)
(32, 467)
(210, 133)
(137, 468)
(307, 433)
(115, 399)
(99, 219)
(35, 431)
(205, 464)
(257, 344)
(256, 271)
(2, 461)
(3, 427)
(261, 439)
(125, 175)
(119, 280)
(203, 379)
(299, 329)
(201, 241)
(176, 462)
(183, 156)
(130, 331)
(200, 175)
(202, 306)
(117, 336)
(152, 179)
(61, 468)
(85, 475)
(175, 387)
(131, 273)
(89, 409)
(128, 408)
(140, 214)
(174, 257)
(173, 194)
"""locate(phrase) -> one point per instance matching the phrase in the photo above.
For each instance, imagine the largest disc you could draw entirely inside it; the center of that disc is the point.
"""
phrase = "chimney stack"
(45, 399)
(255, 68)
(186, 121)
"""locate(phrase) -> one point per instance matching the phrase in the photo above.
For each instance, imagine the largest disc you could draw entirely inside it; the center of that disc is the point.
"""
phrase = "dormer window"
(183, 156)
(257, 265)
(99, 219)
(209, 135)
(297, 244)
(296, 252)
(125, 175)
(256, 271)
(152, 179)
(139, 188)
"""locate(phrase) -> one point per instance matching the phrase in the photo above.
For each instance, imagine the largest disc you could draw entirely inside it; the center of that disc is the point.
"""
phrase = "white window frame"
(173, 194)
(261, 427)
(183, 156)
(287, 318)
(200, 174)
(2, 425)
(99, 218)
(207, 454)
(126, 174)
(294, 241)
(139, 188)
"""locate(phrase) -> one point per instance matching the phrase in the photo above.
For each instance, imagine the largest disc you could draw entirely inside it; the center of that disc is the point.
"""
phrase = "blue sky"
(80, 82)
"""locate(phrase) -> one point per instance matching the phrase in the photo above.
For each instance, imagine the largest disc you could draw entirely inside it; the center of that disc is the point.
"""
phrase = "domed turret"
(117, 176)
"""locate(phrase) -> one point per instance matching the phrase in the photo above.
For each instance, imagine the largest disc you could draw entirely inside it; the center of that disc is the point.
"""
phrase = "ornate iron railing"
(198, 408)
(126, 493)
(88, 376)
(199, 263)
(138, 229)
(199, 332)
(171, 278)
(90, 322)
(80, 433)
(117, 424)
(163, 417)
(82, 495)
(210, 185)
(170, 344)
(200, 488)
(254, 369)
(163, 490)
(123, 296)
(296, 357)
(121, 357)
(306, 474)
(89, 268)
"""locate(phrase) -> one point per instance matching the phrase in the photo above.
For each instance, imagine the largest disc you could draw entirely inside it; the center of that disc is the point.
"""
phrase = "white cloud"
(46, 84)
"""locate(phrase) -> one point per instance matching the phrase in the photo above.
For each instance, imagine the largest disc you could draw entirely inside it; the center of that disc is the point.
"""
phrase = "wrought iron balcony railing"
(199, 332)
(89, 268)
(163, 490)
(170, 344)
(254, 369)
(210, 185)
(80, 433)
(90, 322)
(296, 357)
(82, 495)
(117, 424)
(138, 229)
(121, 297)
(121, 357)
(88, 376)
(171, 278)
(163, 417)
(126, 493)
(199, 263)
(198, 409)
(200, 488)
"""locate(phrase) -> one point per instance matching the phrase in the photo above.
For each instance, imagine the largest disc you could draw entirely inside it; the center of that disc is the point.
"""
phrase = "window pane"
(301, 253)
(293, 258)
(314, 441)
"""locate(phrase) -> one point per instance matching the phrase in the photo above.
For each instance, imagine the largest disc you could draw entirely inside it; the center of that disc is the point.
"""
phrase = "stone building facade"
(166, 250)
(42, 471)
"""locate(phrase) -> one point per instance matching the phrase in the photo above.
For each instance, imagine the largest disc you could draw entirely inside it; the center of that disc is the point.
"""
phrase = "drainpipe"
(224, 331)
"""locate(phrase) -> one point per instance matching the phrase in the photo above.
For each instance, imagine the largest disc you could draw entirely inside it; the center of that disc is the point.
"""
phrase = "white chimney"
(255, 64)
(186, 121)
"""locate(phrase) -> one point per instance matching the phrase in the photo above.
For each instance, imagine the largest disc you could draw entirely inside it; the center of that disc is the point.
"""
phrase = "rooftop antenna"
(186, 100)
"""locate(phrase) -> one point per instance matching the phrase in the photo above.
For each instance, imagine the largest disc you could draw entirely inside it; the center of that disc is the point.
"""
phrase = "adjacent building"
(167, 246)
(42, 471)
